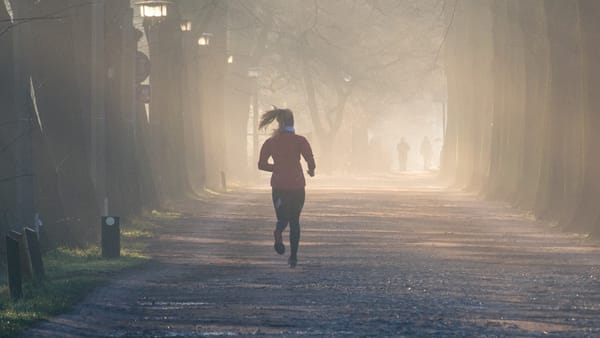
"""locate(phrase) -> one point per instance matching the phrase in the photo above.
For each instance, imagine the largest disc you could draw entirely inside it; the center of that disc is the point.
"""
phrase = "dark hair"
(285, 118)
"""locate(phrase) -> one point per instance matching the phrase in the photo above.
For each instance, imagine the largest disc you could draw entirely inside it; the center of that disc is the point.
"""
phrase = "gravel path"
(400, 257)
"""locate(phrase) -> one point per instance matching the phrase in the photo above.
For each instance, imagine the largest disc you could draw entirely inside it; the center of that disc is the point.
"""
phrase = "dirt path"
(401, 258)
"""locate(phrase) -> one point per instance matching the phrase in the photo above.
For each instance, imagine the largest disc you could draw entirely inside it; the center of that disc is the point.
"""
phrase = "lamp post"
(191, 102)
(156, 16)
(154, 9)
(253, 74)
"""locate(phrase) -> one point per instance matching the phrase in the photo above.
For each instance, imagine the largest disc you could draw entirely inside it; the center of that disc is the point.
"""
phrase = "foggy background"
(505, 91)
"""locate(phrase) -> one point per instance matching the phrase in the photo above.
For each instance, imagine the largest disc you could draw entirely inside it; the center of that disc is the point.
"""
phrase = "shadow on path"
(395, 257)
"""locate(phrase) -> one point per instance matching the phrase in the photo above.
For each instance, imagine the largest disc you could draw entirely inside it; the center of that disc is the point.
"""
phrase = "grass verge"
(72, 273)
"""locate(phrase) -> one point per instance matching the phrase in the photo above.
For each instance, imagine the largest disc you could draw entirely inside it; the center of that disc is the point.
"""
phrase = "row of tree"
(77, 139)
(523, 106)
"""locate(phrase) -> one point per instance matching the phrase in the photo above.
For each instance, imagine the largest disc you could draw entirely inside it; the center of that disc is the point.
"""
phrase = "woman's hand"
(311, 173)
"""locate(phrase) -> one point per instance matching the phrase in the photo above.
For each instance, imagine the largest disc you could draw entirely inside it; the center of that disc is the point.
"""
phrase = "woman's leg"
(281, 209)
(294, 237)
(297, 200)
(282, 219)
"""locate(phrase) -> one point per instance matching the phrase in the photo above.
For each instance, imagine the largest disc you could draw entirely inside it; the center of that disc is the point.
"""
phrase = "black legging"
(288, 204)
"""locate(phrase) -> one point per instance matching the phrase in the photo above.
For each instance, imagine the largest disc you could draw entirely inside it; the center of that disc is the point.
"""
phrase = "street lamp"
(186, 26)
(154, 8)
(230, 59)
(204, 40)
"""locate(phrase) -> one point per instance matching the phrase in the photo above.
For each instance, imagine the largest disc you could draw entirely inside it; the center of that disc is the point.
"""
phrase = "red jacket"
(285, 148)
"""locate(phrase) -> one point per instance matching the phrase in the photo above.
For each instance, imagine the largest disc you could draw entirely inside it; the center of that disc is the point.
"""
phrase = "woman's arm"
(263, 161)
(307, 153)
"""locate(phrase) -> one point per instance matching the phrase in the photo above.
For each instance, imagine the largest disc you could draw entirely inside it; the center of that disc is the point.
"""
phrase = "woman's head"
(284, 117)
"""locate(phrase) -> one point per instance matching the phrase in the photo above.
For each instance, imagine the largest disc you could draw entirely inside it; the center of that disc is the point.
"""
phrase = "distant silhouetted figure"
(426, 152)
(403, 148)
(287, 180)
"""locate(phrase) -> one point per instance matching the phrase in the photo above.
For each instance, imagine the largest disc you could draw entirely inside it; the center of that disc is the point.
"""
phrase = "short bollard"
(223, 181)
(14, 268)
(111, 237)
(35, 254)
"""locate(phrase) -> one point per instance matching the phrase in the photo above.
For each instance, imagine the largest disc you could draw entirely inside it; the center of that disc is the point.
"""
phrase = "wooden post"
(35, 254)
(14, 268)
(23, 254)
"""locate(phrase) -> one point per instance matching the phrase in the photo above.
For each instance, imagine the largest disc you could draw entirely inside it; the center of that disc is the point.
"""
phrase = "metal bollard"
(14, 268)
(35, 254)
(111, 237)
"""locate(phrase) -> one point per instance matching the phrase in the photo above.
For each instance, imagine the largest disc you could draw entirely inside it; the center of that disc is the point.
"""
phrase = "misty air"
(299, 168)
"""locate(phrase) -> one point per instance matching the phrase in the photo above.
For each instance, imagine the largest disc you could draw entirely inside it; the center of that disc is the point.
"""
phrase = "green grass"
(72, 273)
(163, 215)
(138, 228)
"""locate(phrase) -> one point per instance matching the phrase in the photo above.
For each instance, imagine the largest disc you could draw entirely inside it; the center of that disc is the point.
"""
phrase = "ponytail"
(284, 117)
(268, 117)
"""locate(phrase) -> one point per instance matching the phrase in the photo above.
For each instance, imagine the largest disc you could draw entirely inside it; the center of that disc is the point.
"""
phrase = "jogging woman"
(287, 180)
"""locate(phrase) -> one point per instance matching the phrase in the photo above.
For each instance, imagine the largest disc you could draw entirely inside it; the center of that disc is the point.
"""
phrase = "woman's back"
(286, 148)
